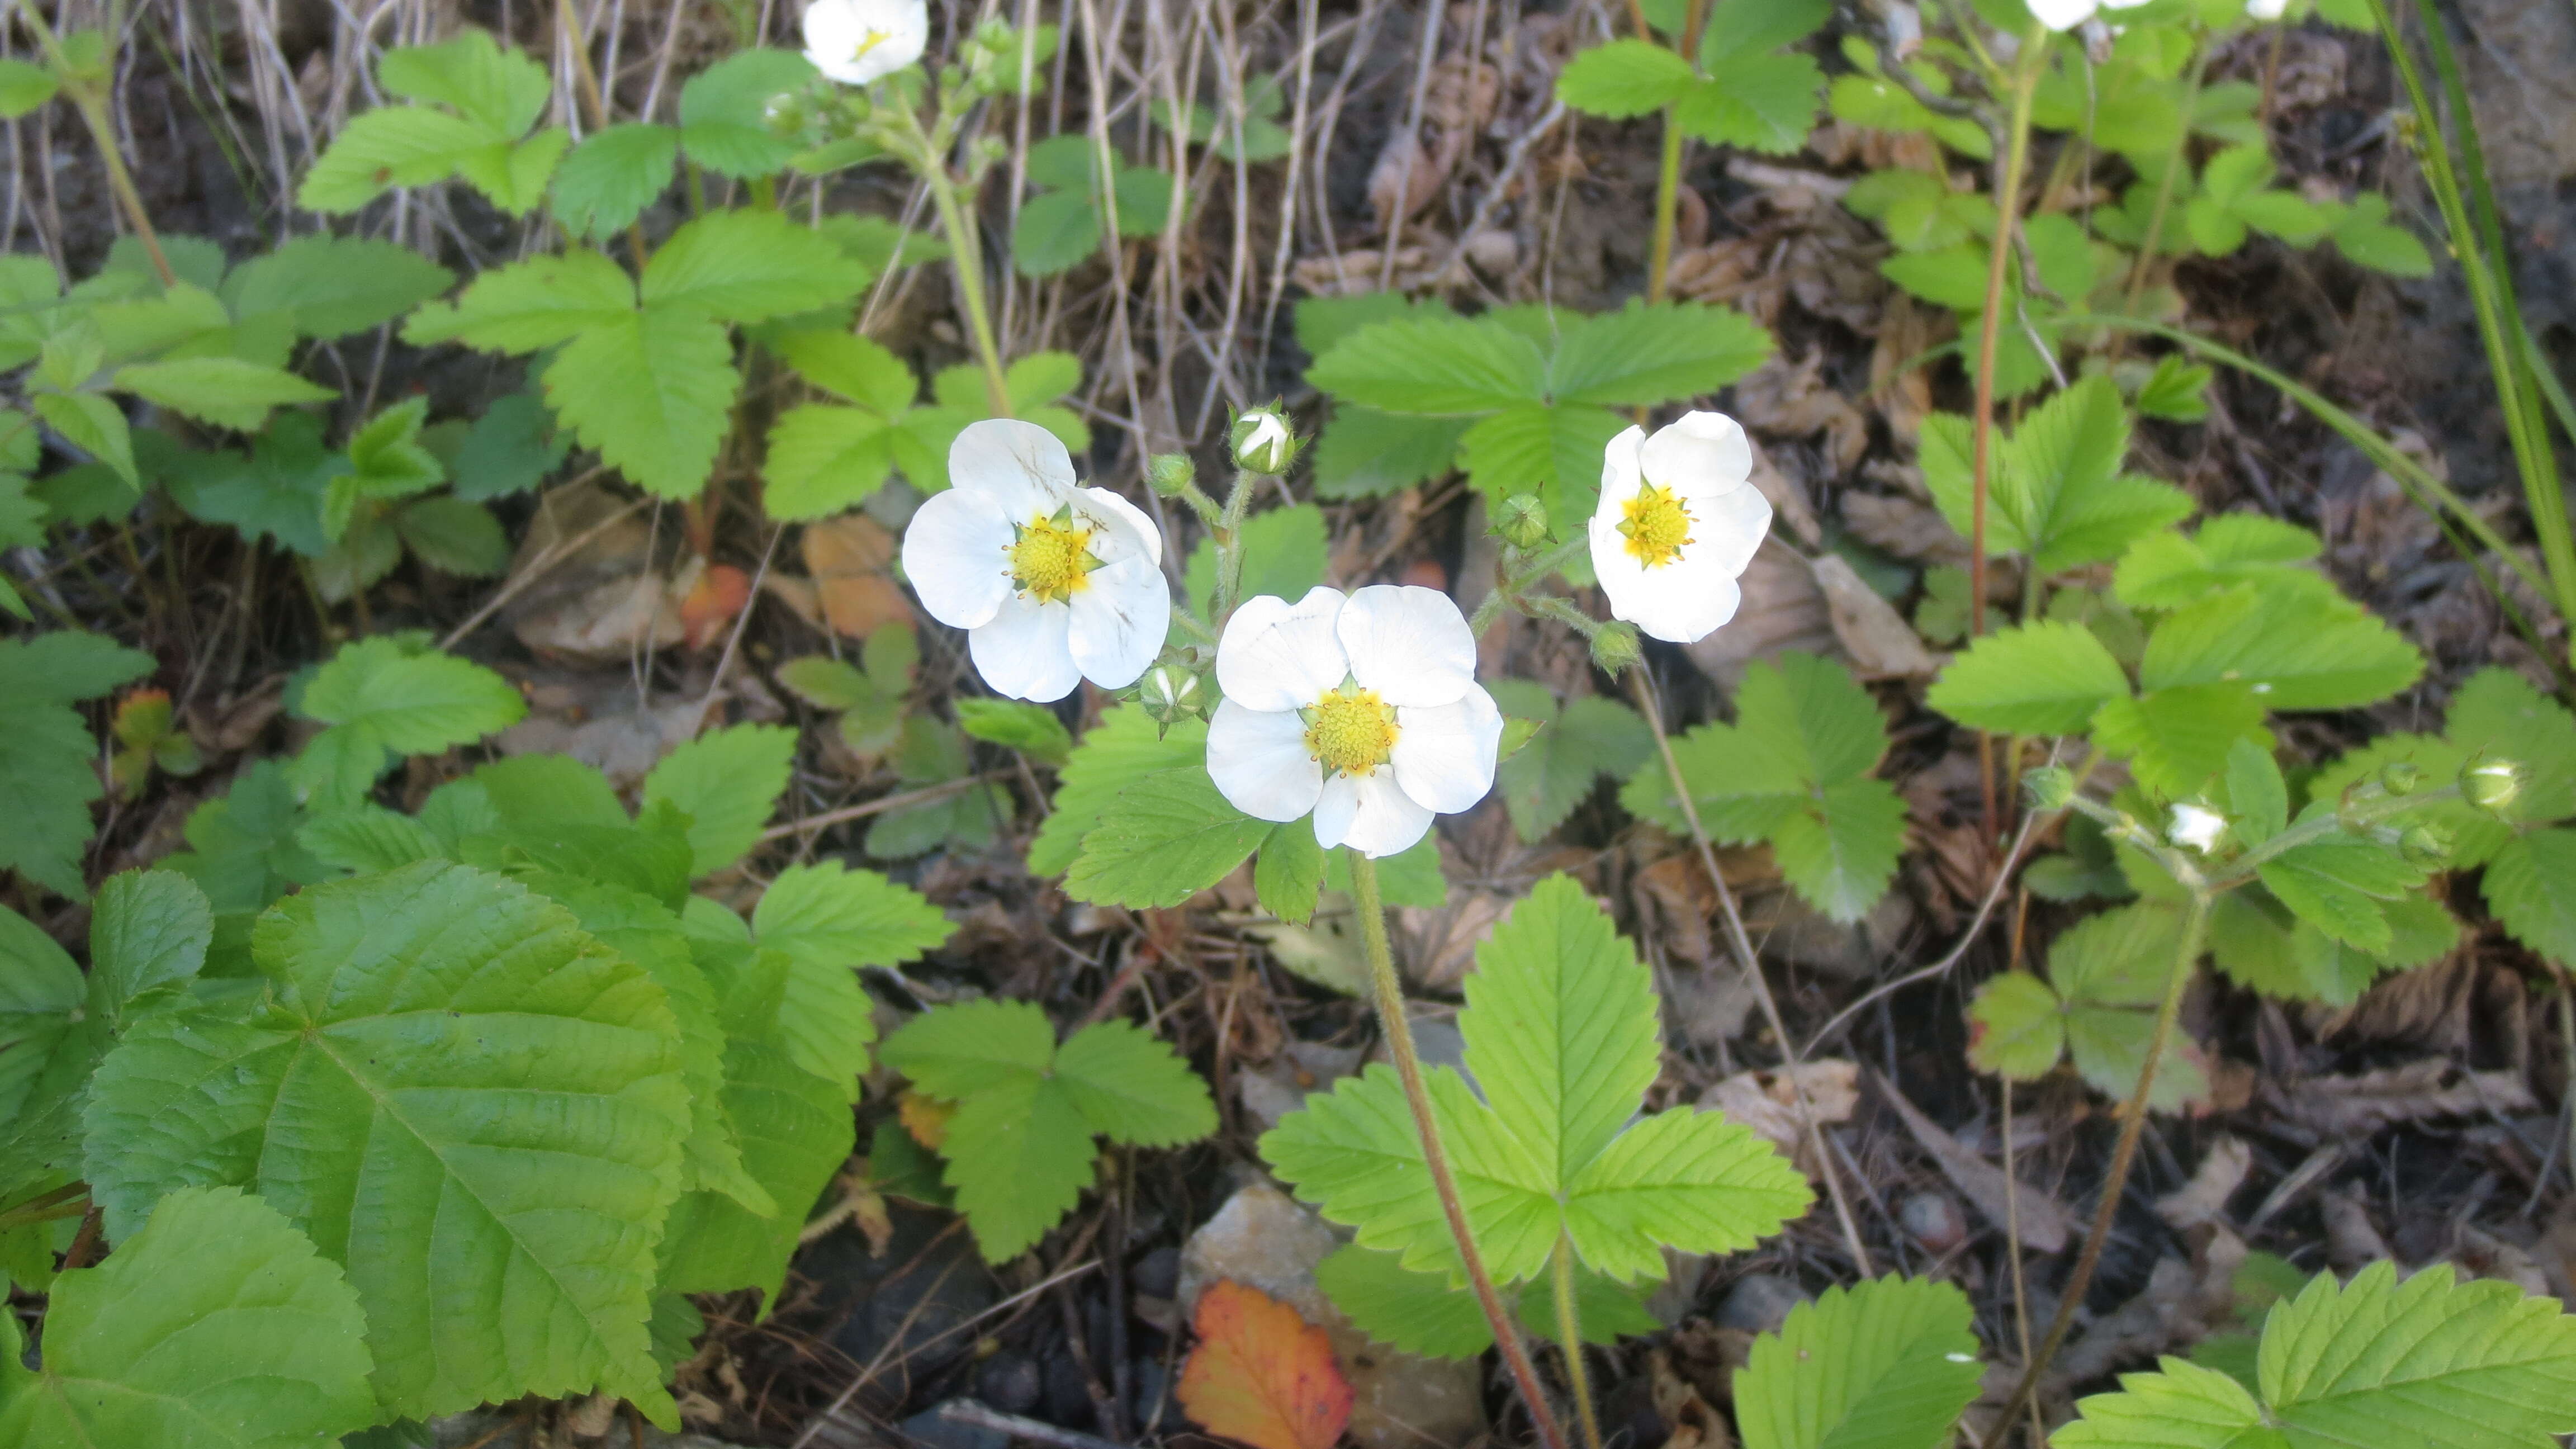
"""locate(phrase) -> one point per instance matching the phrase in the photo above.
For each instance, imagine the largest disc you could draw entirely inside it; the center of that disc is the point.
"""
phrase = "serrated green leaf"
(333, 285)
(2110, 972)
(606, 182)
(148, 931)
(2258, 800)
(1841, 854)
(2165, 570)
(1590, 737)
(652, 392)
(410, 1012)
(382, 698)
(1624, 79)
(1122, 749)
(1031, 729)
(2298, 649)
(2041, 679)
(24, 86)
(1364, 453)
(2429, 1361)
(1761, 102)
(2498, 714)
(527, 306)
(2531, 887)
(2015, 1027)
(822, 460)
(225, 391)
(454, 536)
(47, 772)
(2059, 496)
(1164, 839)
(1422, 1313)
(1288, 873)
(1887, 1364)
(728, 781)
(2336, 883)
(748, 266)
(953, 1052)
(1441, 367)
(724, 110)
(388, 147)
(1640, 356)
(1131, 1088)
(795, 1130)
(501, 90)
(216, 1327)
(368, 838)
(2176, 739)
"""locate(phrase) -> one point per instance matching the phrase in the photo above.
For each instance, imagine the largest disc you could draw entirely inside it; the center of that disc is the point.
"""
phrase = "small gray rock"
(1759, 1303)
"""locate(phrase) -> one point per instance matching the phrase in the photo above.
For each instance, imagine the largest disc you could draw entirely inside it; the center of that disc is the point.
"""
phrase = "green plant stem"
(1746, 961)
(2025, 90)
(1668, 173)
(2123, 1153)
(927, 153)
(1388, 994)
(67, 1201)
(91, 101)
(1569, 1336)
(1229, 545)
(1507, 592)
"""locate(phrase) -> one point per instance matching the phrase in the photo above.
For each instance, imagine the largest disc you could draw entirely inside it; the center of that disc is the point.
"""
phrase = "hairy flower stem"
(1229, 546)
(1389, 998)
(2133, 1121)
(2025, 91)
(927, 153)
(1741, 944)
(1668, 175)
(1569, 1337)
(88, 95)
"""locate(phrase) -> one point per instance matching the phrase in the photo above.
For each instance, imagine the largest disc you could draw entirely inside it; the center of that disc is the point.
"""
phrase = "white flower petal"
(1119, 621)
(1726, 529)
(1259, 761)
(1623, 472)
(1444, 757)
(1701, 453)
(2266, 10)
(1278, 655)
(1679, 603)
(1022, 652)
(1020, 466)
(2062, 14)
(858, 41)
(1370, 813)
(956, 552)
(1123, 518)
(1409, 644)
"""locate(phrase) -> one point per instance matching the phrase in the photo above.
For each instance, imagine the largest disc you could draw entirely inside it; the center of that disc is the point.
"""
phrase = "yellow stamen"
(1052, 559)
(1657, 526)
(1350, 732)
(874, 39)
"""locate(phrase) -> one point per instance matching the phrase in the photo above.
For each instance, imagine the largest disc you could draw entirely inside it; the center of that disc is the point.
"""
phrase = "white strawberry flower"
(1679, 519)
(2266, 11)
(858, 41)
(1362, 709)
(1054, 584)
(2067, 14)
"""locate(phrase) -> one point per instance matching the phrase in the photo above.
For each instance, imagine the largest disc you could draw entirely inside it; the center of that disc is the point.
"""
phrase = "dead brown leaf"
(849, 559)
(1903, 528)
(2361, 1103)
(2204, 1198)
(1793, 400)
(2045, 1226)
(1767, 1102)
(1881, 645)
(1783, 609)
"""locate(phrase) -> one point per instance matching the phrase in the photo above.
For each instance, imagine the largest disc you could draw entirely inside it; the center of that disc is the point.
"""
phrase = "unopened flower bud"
(2050, 787)
(1615, 647)
(1171, 693)
(2195, 826)
(1521, 521)
(2400, 777)
(2427, 846)
(2491, 785)
(1171, 474)
(1263, 442)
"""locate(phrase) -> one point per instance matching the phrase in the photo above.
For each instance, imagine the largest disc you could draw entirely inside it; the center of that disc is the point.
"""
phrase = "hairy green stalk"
(2025, 93)
(1668, 171)
(1569, 1336)
(88, 95)
(927, 154)
(1388, 995)
(1229, 544)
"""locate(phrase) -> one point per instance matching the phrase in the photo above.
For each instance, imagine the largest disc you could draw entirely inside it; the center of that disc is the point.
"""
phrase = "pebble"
(1759, 1303)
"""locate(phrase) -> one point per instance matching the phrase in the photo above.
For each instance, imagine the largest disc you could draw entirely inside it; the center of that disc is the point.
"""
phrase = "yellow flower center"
(1052, 558)
(1657, 526)
(874, 39)
(1350, 732)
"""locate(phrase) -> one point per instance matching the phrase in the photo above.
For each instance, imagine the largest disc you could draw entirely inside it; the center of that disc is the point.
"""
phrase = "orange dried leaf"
(1262, 1374)
(926, 1118)
(709, 610)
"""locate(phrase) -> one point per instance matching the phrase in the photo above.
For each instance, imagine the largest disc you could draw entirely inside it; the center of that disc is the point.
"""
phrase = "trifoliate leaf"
(2059, 496)
(1560, 1030)
(384, 697)
(1889, 1363)
(2110, 973)
(728, 781)
(2038, 679)
(1019, 1149)
(215, 1327)
(47, 773)
(830, 921)
(1590, 737)
(407, 1013)
(1423, 1313)
(502, 90)
(2165, 570)
(1164, 839)
(1841, 853)
(527, 306)
(2176, 739)
(2430, 1362)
